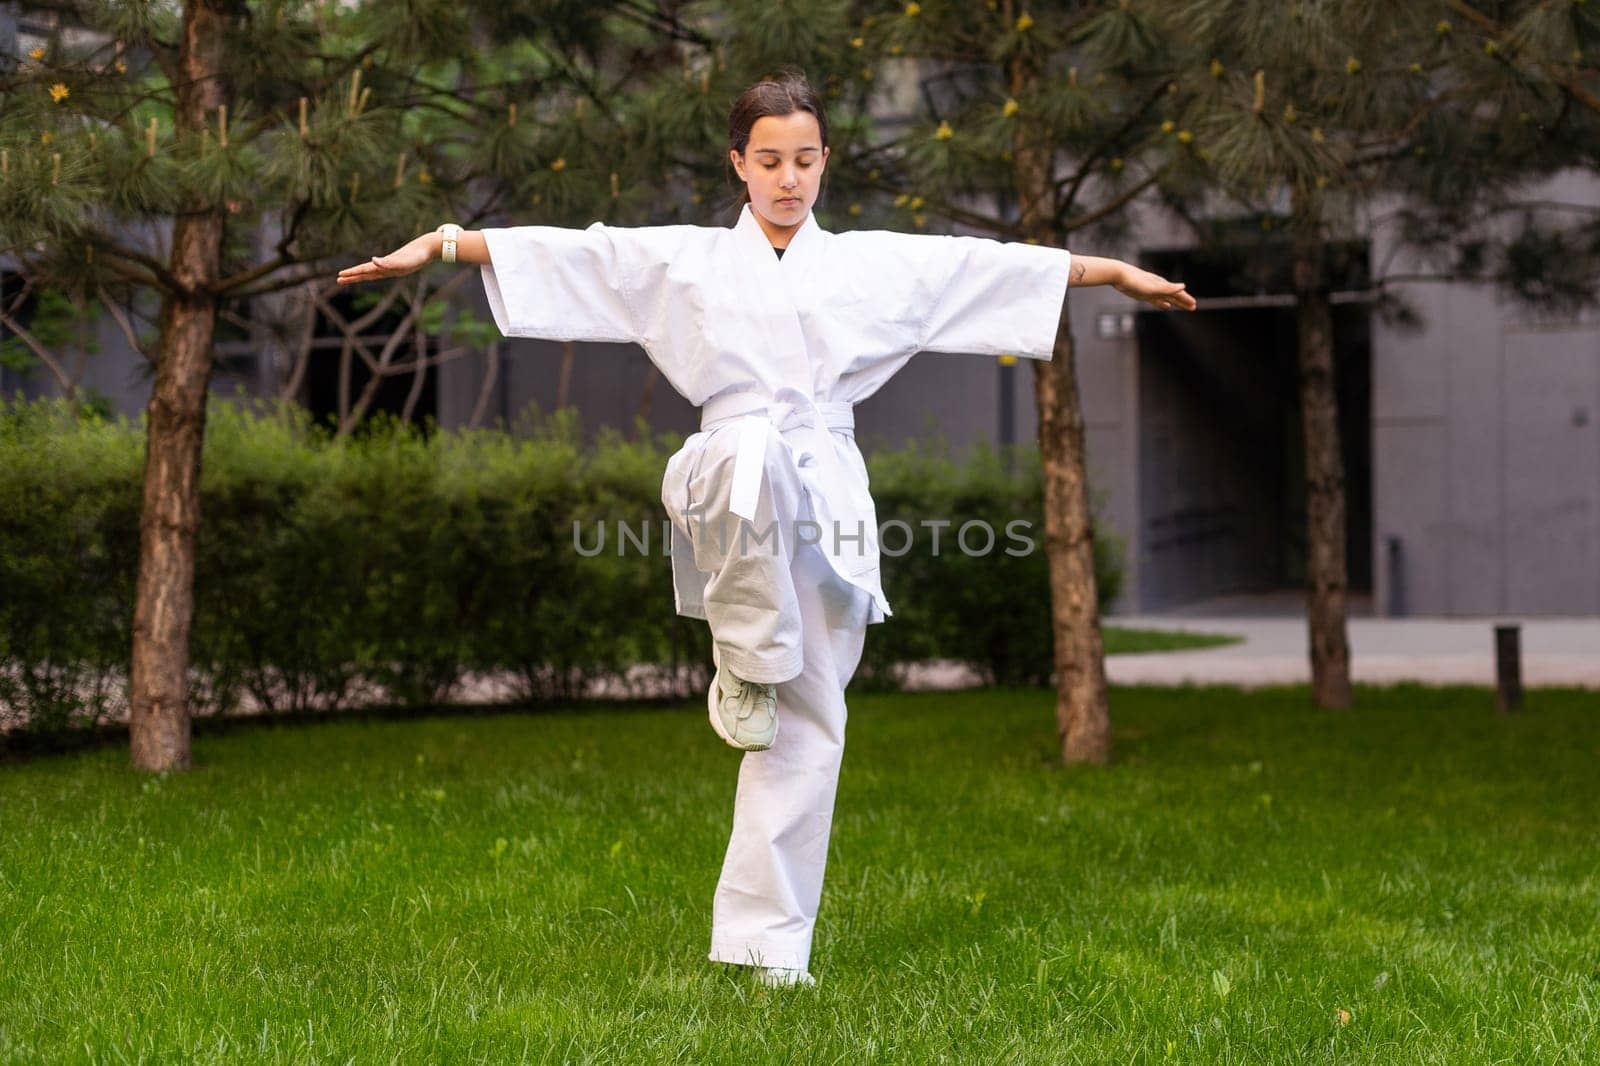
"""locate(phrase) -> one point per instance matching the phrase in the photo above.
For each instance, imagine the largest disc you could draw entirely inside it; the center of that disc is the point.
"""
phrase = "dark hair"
(782, 94)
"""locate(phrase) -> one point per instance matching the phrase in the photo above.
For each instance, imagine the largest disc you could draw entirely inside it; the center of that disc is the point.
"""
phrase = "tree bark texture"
(1083, 722)
(158, 695)
(1326, 576)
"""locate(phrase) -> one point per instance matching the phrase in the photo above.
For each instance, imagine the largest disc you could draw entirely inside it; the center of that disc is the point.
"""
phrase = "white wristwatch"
(451, 231)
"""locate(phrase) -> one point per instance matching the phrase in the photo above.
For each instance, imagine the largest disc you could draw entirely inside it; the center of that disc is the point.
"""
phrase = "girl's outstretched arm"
(1129, 280)
(416, 254)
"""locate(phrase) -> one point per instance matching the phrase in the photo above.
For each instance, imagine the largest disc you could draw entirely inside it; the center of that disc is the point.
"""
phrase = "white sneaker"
(744, 713)
(783, 976)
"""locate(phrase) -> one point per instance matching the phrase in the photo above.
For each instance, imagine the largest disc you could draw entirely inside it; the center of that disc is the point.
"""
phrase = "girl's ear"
(738, 164)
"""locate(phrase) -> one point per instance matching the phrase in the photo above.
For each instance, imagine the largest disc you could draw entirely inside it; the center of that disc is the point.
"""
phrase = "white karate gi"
(776, 353)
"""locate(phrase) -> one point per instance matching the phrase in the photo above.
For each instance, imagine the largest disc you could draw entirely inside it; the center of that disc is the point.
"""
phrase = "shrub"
(395, 565)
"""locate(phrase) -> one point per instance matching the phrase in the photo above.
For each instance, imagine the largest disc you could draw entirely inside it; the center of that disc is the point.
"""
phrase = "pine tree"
(1072, 110)
(1543, 60)
(144, 167)
(1338, 107)
(1042, 123)
(277, 142)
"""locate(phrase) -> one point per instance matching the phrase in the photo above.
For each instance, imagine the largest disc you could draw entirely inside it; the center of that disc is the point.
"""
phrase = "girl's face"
(782, 166)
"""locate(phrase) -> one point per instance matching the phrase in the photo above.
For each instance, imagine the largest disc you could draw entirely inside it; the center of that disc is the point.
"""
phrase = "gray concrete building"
(1471, 442)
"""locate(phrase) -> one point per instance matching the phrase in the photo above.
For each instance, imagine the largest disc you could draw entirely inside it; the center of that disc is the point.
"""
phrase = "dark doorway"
(1222, 488)
(18, 365)
(323, 371)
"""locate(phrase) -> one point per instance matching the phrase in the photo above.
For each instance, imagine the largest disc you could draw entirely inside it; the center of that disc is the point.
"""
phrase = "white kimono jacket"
(752, 339)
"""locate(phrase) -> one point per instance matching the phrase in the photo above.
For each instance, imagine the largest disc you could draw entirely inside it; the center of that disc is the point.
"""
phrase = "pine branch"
(124, 323)
(159, 277)
(128, 274)
(884, 154)
(1400, 135)
(380, 370)
(382, 365)
(344, 66)
(293, 228)
(491, 376)
(158, 95)
(1087, 167)
(287, 281)
(317, 268)
(1112, 206)
(601, 98)
(435, 359)
(438, 101)
(308, 324)
(74, 14)
(284, 258)
(359, 325)
(1571, 86)
(42, 353)
(987, 223)
(353, 341)
(665, 23)
(245, 277)
(432, 96)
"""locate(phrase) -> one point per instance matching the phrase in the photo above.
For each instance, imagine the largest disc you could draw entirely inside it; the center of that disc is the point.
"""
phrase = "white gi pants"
(788, 619)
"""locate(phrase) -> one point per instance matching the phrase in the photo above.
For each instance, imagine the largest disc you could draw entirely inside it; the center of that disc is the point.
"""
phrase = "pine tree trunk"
(1083, 722)
(642, 415)
(158, 695)
(1326, 578)
(564, 382)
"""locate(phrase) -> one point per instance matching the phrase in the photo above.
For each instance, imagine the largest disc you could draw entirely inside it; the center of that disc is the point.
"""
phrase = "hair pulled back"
(781, 94)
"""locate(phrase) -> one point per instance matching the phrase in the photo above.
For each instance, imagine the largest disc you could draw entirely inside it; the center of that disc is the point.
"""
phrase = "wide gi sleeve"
(562, 284)
(994, 298)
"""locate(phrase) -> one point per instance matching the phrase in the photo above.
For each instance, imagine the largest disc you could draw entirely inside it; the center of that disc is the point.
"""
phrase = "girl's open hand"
(1155, 290)
(408, 258)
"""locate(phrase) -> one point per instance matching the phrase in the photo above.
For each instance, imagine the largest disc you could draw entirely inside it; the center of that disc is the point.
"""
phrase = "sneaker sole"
(772, 980)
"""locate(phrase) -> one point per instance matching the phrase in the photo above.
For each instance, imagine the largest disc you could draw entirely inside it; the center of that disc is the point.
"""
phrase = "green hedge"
(392, 566)
(989, 611)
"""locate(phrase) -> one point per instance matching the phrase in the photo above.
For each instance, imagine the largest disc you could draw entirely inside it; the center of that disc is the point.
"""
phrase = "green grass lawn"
(1121, 641)
(507, 888)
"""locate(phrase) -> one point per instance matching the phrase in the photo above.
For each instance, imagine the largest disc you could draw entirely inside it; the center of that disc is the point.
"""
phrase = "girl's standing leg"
(765, 906)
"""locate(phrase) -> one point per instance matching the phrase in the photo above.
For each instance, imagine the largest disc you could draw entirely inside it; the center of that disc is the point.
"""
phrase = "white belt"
(801, 415)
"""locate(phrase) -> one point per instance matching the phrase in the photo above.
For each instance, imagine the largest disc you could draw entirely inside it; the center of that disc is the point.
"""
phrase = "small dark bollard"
(1397, 577)
(1507, 668)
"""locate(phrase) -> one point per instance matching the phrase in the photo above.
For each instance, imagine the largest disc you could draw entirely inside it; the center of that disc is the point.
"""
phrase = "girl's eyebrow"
(774, 151)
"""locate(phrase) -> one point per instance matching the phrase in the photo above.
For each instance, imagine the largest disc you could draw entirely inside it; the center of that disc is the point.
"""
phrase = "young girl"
(775, 328)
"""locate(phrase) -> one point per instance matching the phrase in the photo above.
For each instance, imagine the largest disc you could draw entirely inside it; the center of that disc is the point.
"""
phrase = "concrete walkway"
(1555, 651)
